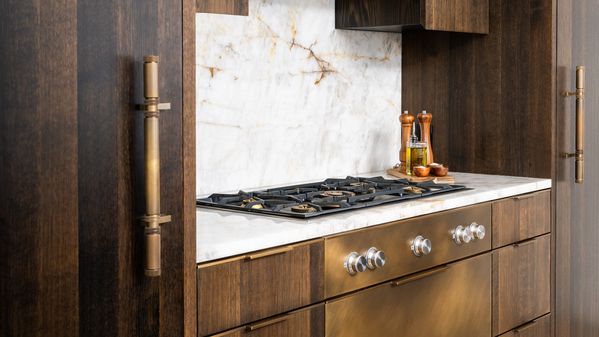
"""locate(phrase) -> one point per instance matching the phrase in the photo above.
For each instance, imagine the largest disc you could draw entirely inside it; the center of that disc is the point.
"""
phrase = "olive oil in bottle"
(415, 153)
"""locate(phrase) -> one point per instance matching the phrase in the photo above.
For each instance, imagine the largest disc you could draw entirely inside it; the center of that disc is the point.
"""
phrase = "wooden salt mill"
(406, 131)
(425, 120)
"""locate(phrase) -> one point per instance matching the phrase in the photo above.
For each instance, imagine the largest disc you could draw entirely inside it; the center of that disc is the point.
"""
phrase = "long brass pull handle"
(153, 218)
(264, 324)
(419, 276)
(271, 252)
(579, 154)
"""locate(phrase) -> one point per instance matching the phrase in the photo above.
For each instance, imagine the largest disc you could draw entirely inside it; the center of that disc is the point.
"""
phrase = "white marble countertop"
(223, 233)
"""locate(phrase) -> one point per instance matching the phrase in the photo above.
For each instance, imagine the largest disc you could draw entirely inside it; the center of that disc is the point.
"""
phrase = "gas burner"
(337, 193)
(303, 208)
(325, 197)
(253, 203)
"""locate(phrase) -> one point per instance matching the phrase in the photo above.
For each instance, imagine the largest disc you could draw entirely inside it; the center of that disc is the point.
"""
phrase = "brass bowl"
(440, 170)
(422, 171)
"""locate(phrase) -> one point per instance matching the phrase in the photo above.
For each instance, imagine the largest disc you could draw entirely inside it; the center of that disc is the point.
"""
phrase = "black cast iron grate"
(326, 197)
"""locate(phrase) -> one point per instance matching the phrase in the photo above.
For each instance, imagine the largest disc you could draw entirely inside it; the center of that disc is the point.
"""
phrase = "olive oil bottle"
(415, 153)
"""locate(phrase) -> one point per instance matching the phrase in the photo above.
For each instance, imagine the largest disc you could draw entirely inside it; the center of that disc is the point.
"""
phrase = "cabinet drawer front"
(521, 283)
(452, 301)
(522, 217)
(395, 241)
(540, 327)
(302, 323)
(250, 288)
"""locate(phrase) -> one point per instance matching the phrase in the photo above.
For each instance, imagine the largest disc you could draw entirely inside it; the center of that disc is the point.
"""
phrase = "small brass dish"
(422, 171)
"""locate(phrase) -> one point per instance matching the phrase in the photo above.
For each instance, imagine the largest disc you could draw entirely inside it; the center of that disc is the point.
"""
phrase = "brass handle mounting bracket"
(153, 217)
(578, 155)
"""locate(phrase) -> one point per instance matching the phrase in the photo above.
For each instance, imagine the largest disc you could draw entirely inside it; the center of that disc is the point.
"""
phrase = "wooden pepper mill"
(425, 120)
(406, 120)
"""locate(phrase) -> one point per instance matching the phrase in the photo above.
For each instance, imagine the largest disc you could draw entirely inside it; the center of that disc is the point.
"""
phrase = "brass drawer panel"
(395, 240)
(451, 301)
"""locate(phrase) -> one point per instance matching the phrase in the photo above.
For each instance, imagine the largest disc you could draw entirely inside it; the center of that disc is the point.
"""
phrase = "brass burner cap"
(337, 194)
(303, 208)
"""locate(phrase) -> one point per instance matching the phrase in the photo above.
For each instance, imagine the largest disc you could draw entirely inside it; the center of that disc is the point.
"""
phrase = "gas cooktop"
(326, 197)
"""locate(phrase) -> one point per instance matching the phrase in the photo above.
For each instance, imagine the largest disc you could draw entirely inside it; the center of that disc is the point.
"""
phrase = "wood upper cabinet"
(307, 322)
(471, 16)
(521, 283)
(521, 217)
(259, 285)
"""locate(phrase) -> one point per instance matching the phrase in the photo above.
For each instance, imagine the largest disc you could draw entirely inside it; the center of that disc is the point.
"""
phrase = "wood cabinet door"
(302, 323)
(540, 327)
(71, 168)
(521, 217)
(521, 283)
(577, 205)
(253, 287)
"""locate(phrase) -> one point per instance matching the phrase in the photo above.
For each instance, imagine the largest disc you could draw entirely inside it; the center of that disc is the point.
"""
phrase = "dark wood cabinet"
(470, 16)
(540, 327)
(258, 285)
(521, 283)
(520, 218)
(307, 322)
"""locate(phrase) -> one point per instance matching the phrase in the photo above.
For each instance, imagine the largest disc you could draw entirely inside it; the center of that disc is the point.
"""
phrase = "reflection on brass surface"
(394, 240)
(455, 301)
(579, 154)
(153, 218)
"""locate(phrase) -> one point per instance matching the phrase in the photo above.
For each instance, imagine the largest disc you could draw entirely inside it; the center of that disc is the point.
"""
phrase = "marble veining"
(282, 96)
(226, 233)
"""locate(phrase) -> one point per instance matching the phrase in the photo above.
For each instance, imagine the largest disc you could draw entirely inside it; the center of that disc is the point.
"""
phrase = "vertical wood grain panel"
(231, 7)
(38, 169)
(117, 299)
(521, 283)
(491, 95)
(239, 291)
(189, 169)
(521, 218)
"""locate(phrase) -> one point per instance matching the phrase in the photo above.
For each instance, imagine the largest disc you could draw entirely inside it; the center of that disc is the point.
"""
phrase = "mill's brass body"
(153, 218)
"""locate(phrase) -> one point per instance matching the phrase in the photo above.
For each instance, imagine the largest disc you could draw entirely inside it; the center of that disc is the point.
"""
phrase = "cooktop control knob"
(462, 235)
(478, 231)
(355, 263)
(421, 246)
(375, 258)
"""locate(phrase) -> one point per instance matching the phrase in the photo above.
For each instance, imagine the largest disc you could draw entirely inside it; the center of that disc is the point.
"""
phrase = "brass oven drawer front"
(395, 240)
(452, 301)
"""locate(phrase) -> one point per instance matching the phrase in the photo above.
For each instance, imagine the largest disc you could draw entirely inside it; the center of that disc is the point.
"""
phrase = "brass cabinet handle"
(524, 243)
(153, 218)
(266, 323)
(525, 327)
(419, 276)
(268, 253)
(579, 154)
(524, 197)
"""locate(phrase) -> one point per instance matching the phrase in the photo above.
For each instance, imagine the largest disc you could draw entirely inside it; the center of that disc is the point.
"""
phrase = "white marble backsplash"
(284, 97)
